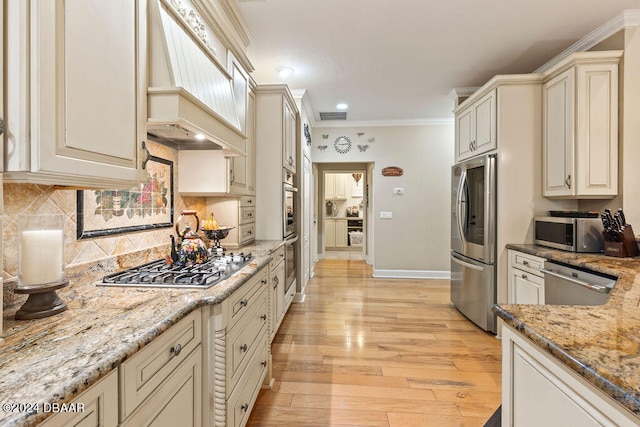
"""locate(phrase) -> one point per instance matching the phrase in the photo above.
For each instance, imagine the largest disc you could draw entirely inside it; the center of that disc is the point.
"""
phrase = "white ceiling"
(397, 61)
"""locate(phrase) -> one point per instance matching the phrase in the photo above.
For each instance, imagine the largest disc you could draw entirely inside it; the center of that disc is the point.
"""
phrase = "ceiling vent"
(337, 115)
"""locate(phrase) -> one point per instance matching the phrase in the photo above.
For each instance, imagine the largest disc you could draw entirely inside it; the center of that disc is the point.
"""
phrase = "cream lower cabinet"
(277, 281)
(161, 385)
(580, 126)
(526, 279)
(236, 353)
(335, 233)
(76, 73)
(97, 406)
(538, 390)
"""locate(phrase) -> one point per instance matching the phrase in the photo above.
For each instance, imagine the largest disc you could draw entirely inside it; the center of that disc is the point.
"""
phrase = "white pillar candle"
(41, 257)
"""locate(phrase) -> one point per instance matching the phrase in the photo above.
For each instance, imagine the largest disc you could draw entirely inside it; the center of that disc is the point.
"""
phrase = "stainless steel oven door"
(290, 262)
(473, 208)
(289, 209)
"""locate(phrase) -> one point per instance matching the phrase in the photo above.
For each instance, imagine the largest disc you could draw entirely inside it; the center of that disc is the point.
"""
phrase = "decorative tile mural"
(144, 207)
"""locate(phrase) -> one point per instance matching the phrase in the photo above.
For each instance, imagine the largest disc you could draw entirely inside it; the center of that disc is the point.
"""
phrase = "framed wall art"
(144, 207)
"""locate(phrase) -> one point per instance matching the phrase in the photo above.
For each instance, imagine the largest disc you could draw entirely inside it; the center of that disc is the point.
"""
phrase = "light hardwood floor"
(379, 352)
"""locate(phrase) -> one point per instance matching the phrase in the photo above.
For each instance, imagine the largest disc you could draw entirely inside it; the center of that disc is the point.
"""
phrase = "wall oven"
(289, 229)
(289, 192)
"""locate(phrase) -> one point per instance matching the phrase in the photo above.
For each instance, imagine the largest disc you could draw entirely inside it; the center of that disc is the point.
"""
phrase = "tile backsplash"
(30, 199)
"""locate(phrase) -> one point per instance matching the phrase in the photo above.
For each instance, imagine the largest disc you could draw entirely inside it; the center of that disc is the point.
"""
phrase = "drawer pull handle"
(245, 407)
(264, 363)
(244, 302)
(175, 350)
(244, 348)
(264, 317)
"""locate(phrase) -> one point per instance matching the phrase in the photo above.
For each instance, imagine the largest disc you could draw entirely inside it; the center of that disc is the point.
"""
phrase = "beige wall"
(29, 199)
(417, 239)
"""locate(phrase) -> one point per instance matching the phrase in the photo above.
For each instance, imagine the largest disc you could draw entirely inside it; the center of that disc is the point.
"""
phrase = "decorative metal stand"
(42, 302)
(216, 236)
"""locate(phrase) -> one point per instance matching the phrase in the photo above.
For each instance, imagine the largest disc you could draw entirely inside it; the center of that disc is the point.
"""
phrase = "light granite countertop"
(600, 343)
(56, 358)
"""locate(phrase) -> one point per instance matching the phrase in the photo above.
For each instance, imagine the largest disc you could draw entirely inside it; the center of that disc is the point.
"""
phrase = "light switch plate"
(386, 215)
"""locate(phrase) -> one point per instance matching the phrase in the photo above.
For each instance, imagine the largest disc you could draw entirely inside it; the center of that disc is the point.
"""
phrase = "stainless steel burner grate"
(159, 274)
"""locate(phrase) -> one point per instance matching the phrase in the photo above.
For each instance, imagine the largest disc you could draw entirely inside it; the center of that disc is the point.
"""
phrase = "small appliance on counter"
(619, 240)
(574, 231)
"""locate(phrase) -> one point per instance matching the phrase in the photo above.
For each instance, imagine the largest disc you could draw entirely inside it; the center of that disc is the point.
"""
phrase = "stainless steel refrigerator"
(473, 239)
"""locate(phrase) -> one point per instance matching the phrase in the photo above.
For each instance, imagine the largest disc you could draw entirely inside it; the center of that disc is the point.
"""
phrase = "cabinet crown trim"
(580, 58)
(499, 80)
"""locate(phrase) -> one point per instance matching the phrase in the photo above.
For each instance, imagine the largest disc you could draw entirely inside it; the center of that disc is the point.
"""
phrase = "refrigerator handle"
(460, 204)
(466, 264)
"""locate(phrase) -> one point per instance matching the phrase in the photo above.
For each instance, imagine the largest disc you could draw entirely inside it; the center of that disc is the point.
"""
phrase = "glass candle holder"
(40, 251)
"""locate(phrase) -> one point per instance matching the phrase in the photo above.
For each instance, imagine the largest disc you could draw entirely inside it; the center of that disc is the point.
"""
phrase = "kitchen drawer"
(276, 258)
(147, 369)
(242, 399)
(245, 336)
(247, 215)
(526, 262)
(247, 233)
(247, 201)
(245, 297)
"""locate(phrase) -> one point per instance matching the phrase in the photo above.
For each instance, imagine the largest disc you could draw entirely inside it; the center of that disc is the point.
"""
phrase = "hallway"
(379, 352)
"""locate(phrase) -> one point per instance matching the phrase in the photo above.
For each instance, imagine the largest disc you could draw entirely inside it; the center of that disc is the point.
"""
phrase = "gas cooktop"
(159, 274)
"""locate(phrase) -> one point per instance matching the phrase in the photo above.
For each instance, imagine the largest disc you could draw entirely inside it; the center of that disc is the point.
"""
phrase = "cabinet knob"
(244, 302)
(263, 363)
(524, 276)
(263, 281)
(245, 407)
(525, 263)
(176, 349)
(244, 348)
(263, 317)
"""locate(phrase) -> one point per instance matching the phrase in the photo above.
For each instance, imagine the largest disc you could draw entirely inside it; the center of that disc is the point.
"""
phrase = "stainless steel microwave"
(569, 234)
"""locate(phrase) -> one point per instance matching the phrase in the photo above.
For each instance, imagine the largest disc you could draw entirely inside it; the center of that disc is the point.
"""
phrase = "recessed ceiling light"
(284, 72)
(200, 137)
(342, 106)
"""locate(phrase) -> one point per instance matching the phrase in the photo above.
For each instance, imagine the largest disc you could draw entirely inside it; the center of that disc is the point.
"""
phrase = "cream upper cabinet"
(580, 126)
(243, 168)
(78, 92)
(290, 137)
(476, 127)
(335, 186)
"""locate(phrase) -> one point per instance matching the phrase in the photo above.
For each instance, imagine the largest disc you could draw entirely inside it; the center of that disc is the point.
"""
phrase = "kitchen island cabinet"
(77, 98)
(584, 355)
(106, 329)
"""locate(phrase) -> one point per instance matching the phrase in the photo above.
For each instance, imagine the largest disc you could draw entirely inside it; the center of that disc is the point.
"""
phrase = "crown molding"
(626, 19)
(381, 123)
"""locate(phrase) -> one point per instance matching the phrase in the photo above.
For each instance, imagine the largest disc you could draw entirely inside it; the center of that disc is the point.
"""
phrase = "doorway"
(343, 204)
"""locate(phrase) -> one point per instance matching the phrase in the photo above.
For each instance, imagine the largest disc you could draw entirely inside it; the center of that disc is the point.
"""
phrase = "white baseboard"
(299, 298)
(412, 274)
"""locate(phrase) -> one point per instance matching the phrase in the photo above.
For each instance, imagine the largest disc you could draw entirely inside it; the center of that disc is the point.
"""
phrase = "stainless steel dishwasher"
(565, 285)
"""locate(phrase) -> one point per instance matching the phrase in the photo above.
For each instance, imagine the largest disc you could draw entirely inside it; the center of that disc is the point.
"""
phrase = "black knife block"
(628, 247)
